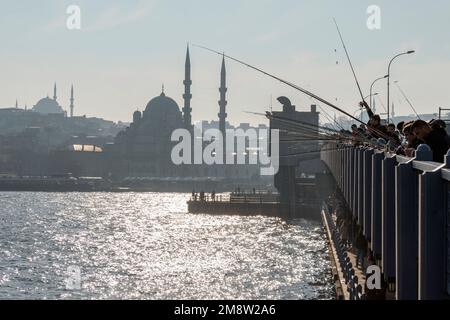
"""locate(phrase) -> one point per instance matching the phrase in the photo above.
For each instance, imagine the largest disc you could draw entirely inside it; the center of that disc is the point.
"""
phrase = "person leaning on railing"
(412, 142)
(436, 138)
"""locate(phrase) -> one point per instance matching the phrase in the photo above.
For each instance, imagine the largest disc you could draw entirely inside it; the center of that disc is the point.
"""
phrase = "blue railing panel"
(388, 217)
(377, 158)
(406, 235)
(367, 206)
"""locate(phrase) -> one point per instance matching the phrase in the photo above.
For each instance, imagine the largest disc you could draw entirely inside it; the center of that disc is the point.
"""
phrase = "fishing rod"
(311, 128)
(329, 118)
(349, 61)
(310, 152)
(338, 136)
(406, 98)
(382, 104)
(312, 95)
(270, 116)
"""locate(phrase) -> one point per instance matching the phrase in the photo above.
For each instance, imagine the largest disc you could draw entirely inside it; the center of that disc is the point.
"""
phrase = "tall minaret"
(71, 102)
(187, 96)
(54, 92)
(222, 102)
(393, 111)
(17, 104)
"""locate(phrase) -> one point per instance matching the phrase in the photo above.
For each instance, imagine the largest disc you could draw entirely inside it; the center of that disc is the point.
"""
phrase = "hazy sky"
(126, 49)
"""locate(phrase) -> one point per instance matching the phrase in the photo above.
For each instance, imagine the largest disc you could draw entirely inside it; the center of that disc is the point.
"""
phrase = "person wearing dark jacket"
(437, 139)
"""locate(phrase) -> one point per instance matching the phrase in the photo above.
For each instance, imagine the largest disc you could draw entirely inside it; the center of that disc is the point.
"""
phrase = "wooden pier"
(246, 204)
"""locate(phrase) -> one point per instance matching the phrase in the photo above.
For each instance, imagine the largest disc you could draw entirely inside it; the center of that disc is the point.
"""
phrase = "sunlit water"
(146, 246)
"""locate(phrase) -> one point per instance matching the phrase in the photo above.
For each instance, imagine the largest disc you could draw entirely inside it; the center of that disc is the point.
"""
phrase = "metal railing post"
(432, 236)
(376, 205)
(388, 218)
(367, 206)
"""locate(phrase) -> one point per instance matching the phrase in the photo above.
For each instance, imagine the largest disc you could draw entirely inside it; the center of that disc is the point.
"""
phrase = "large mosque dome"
(48, 106)
(163, 108)
(161, 116)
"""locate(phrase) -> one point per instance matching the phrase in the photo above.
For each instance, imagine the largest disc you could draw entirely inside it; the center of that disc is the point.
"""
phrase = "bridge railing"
(403, 207)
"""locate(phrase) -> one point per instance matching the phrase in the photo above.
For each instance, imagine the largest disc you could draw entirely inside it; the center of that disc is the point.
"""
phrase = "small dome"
(161, 116)
(47, 106)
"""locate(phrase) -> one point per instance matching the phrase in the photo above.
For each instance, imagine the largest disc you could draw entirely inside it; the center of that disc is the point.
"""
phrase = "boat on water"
(54, 183)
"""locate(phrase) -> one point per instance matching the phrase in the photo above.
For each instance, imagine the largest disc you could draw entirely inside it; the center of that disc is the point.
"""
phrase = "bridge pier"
(403, 207)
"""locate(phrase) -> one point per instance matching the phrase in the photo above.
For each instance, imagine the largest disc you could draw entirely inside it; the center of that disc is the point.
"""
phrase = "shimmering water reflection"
(145, 246)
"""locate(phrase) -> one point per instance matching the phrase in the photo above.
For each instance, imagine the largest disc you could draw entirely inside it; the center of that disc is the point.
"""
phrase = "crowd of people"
(405, 137)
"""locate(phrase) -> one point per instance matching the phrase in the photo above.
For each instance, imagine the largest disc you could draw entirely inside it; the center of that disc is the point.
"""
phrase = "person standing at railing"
(392, 135)
(412, 142)
(213, 195)
(436, 138)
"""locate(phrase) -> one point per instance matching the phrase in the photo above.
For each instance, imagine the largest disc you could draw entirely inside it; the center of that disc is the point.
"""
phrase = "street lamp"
(371, 95)
(389, 75)
(371, 87)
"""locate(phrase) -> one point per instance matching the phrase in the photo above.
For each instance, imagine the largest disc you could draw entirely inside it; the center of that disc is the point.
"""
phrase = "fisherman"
(412, 142)
(437, 138)
(392, 135)
(400, 126)
(438, 123)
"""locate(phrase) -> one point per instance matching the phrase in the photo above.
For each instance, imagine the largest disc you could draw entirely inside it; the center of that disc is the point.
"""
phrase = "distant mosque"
(144, 148)
(51, 106)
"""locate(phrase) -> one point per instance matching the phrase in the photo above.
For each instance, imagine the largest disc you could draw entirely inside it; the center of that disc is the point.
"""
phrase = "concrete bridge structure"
(403, 207)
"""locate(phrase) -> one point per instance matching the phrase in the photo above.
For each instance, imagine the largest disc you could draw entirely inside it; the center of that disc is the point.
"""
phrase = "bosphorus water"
(146, 246)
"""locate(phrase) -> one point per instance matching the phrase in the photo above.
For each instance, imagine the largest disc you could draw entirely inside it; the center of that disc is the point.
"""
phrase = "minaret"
(17, 104)
(393, 112)
(222, 102)
(54, 92)
(187, 96)
(71, 102)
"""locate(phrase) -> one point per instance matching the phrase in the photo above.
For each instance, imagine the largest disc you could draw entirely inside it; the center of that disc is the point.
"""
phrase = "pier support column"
(388, 218)
(285, 184)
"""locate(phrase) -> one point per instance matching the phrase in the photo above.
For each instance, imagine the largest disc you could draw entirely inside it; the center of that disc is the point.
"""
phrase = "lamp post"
(371, 87)
(389, 75)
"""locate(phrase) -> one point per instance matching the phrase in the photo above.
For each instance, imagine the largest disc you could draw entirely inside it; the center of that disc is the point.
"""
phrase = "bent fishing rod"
(349, 61)
(312, 95)
(290, 84)
(312, 128)
(406, 98)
